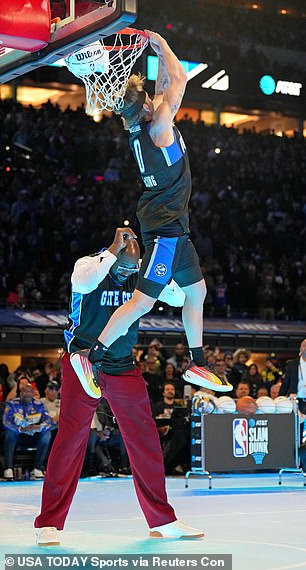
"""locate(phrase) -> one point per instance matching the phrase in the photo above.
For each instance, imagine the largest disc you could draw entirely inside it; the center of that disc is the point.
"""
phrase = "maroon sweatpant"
(127, 396)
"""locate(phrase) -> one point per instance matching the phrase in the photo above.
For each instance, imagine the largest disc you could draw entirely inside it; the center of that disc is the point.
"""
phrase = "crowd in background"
(235, 34)
(66, 182)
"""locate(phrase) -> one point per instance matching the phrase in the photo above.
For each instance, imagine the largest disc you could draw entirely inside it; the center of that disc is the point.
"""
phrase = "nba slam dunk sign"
(242, 442)
(251, 437)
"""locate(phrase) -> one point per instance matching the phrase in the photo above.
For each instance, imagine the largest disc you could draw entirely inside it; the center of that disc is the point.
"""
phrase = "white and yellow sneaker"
(207, 379)
(86, 373)
(176, 529)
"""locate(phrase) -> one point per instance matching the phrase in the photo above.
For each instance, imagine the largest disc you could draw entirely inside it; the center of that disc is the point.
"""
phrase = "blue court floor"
(262, 524)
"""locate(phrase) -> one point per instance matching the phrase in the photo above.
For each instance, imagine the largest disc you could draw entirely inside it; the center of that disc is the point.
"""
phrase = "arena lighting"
(217, 150)
(219, 81)
(191, 68)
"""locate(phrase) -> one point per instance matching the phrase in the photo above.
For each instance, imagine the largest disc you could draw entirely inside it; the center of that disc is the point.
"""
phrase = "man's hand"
(120, 240)
(156, 41)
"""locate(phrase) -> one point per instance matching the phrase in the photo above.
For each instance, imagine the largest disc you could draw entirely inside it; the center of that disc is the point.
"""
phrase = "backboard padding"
(102, 22)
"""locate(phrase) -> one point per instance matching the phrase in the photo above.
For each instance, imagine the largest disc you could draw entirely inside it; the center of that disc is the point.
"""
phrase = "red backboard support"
(102, 21)
(25, 24)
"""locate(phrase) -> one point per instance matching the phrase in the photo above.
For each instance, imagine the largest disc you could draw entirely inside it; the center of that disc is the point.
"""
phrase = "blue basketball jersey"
(163, 207)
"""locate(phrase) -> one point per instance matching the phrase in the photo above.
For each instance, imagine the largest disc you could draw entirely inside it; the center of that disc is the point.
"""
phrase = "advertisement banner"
(235, 442)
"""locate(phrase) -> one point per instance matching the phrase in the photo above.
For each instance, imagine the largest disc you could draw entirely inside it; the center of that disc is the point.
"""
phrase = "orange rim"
(127, 32)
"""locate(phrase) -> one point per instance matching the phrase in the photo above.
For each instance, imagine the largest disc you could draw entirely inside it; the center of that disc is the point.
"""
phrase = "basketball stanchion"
(202, 405)
(297, 470)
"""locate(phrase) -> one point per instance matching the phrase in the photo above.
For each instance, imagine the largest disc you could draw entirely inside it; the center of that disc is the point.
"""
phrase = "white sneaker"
(85, 373)
(8, 473)
(176, 529)
(47, 536)
(37, 473)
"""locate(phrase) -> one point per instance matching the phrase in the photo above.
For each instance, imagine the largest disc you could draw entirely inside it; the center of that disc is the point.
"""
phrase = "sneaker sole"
(156, 534)
(54, 543)
(205, 383)
(76, 363)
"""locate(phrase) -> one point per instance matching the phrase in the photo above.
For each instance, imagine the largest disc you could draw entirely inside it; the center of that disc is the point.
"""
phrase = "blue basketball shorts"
(168, 258)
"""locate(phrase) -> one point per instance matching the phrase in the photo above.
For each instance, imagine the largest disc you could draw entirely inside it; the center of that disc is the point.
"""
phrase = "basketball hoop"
(105, 67)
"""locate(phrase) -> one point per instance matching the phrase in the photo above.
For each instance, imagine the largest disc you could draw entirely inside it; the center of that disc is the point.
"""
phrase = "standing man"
(294, 382)
(162, 211)
(294, 386)
(101, 283)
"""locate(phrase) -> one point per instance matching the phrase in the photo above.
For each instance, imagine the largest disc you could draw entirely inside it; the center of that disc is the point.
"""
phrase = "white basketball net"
(105, 88)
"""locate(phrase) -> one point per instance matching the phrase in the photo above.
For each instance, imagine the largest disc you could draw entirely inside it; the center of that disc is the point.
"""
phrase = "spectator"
(27, 423)
(210, 354)
(52, 403)
(274, 390)
(4, 386)
(179, 359)
(229, 363)
(267, 299)
(22, 380)
(220, 367)
(254, 379)
(240, 369)
(301, 300)
(170, 375)
(294, 382)
(109, 443)
(174, 435)
(242, 389)
(271, 374)
(263, 391)
(220, 297)
(152, 378)
(157, 350)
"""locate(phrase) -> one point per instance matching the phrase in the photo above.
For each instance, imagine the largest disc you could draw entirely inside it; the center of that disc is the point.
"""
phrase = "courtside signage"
(268, 85)
(246, 442)
(251, 437)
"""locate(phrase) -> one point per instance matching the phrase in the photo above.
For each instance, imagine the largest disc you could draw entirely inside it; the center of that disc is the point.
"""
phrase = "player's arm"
(162, 82)
(169, 91)
(89, 271)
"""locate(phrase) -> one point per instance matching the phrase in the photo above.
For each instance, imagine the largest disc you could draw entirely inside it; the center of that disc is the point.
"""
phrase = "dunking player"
(100, 283)
(162, 211)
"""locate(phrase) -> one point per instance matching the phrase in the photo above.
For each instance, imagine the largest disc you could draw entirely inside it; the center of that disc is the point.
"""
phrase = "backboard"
(83, 23)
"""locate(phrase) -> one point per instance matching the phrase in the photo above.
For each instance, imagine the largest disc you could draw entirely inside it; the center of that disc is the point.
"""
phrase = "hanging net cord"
(105, 90)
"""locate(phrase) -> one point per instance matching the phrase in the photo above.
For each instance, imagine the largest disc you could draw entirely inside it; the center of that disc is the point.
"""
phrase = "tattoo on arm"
(175, 106)
(162, 81)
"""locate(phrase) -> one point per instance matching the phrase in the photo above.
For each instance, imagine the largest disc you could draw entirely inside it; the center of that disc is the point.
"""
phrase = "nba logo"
(240, 437)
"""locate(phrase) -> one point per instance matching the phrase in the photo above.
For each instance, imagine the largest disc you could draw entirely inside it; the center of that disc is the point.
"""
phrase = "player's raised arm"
(169, 89)
(90, 270)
